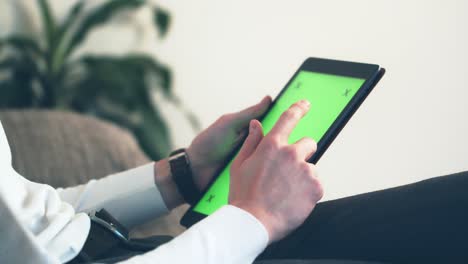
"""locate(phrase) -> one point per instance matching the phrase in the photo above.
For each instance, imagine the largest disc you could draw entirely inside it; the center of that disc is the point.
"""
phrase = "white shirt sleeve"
(48, 230)
(230, 235)
(34, 222)
(18, 245)
(132, 196)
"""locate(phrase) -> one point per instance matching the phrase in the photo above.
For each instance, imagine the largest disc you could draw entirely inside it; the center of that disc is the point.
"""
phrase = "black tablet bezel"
(372, 73)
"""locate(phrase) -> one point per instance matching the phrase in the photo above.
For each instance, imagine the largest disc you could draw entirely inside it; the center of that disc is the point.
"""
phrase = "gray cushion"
(65, 149)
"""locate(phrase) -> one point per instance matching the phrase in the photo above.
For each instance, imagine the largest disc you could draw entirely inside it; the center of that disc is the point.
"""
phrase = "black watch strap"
(183, 177)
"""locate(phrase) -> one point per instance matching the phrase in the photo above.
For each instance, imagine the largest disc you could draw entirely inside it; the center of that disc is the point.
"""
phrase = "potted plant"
(44, 74)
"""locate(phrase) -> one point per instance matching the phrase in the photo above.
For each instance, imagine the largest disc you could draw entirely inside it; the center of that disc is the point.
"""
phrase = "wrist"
(166, 185)
(196, 166)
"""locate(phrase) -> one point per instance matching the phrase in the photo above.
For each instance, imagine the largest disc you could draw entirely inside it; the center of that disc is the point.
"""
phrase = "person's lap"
(420, 222)
(424, 221)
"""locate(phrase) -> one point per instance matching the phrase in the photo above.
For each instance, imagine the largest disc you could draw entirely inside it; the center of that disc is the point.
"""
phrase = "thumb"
(250, 143)
(254, 112)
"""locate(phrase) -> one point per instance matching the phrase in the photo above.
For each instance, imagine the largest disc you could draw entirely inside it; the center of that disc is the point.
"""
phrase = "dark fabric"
(280, 261)
(424, 222)
(313, 261)
(119, 251)
(104, 246)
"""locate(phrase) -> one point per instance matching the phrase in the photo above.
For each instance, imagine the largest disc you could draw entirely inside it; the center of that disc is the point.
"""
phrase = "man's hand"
(272, 180)
(211, 147)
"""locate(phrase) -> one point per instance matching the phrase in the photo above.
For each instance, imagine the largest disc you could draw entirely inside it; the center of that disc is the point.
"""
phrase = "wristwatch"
(181, 171)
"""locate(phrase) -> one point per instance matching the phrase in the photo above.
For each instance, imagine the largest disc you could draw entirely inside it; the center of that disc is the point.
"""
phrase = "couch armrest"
(67, 149)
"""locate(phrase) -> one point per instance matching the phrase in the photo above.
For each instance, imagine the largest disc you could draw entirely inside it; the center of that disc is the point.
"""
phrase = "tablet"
(335, 90)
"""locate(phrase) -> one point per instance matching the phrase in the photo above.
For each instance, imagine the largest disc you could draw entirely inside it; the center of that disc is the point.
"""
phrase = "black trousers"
(423, 222)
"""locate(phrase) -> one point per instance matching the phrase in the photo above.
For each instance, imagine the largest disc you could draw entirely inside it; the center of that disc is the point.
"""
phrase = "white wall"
(228, 54)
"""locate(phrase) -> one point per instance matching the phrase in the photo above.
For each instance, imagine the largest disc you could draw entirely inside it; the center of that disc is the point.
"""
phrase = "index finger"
(289, 119)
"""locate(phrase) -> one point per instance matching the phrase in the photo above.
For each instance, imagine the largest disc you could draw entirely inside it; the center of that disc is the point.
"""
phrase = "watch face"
(176, 156)
(183, 178)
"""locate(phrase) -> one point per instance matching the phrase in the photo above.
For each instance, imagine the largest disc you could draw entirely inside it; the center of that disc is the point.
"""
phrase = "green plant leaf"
(100, 16)
(23, 44)
(17, 90)
(7, 63)
(142, 118)
(63, 39)
(136, 63)
(115, 88)
(26, 73)
(121, 78)
(71, 18)
(49, 22)
(161, 20)
(191, 117)
(118, 89)
(16, 94)
(165, 78)
(153, 135)
(150, 66)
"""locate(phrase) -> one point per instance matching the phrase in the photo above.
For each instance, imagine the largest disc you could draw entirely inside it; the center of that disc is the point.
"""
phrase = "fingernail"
(305, 103)
(252, 127)
(265, 99)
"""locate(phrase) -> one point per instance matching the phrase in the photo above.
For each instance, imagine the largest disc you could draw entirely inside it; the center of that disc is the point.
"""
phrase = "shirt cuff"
(236, 231)
(136, 197)
(229, 236)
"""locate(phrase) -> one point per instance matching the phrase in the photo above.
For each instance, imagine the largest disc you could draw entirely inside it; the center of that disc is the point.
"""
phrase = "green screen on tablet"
(328, 94)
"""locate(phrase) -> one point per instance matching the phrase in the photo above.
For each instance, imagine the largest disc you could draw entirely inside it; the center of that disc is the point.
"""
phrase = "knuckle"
(288, 114)
(225, 118)
(289, 153)
(313, 144)
(299, 108)
(233, 168)
(312, 171)
(310, 143)
(318, 188)
(269, 149)
(292, 113)
(305, 169)
(272, 143)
